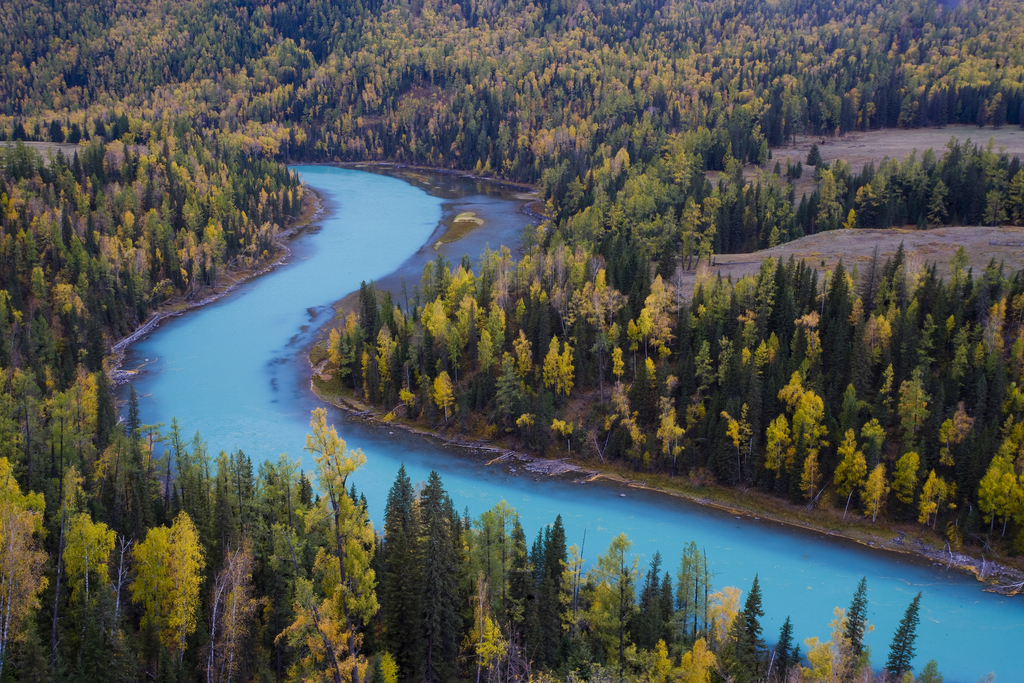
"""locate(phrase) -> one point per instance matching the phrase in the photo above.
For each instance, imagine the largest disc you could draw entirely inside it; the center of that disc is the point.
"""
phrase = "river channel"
(236, 372)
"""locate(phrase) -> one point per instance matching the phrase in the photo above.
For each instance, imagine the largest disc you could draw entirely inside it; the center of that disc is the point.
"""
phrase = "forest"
(881, 389)
(230, 571)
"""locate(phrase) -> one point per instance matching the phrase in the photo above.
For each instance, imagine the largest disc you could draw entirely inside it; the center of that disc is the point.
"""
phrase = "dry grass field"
(860, 148)
(855, 247)
(48, 148)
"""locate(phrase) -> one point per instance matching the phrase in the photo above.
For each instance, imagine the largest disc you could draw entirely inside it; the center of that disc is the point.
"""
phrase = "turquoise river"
(236, 371)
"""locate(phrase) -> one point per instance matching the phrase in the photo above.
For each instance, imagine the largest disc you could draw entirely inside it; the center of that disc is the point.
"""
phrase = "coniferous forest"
(144, 151)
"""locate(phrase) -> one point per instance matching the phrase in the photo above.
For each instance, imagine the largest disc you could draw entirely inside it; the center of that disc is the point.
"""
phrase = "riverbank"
(998, 576)
(1006, 575)
(227, 282)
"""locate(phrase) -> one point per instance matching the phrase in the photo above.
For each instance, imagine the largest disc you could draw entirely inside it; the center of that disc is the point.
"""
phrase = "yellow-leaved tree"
(21, 562)
(904, 482)
(833, 659)
(443, 396)
(614, 603)
(875, 490)
(934, 495)
(88, 550)
(696, 665)
(170, 567)
(328, 628)
(852, 468)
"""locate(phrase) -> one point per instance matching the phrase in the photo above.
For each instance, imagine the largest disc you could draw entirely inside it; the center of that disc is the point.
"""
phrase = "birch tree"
(21, 562)
(170, 567)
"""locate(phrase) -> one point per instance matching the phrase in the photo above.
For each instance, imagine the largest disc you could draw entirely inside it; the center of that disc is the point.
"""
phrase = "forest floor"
(823, 251)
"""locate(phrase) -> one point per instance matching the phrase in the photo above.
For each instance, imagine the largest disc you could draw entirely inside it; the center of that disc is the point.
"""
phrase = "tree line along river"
(237, 372)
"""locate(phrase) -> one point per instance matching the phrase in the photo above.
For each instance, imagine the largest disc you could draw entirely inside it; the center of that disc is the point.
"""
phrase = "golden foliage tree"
(21, 562)
(170, 567)
(88, 550)
(875, 490)
(330, 630)
(852, 468)
(443, 395)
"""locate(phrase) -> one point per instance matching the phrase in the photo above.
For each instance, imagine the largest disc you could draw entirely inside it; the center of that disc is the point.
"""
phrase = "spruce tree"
(747, 636)
(784, 657)
(814, 156)
(399, 581)
(440, 583)
(646, 630)
(520, 593)
(901, 652)
(930, 673)
(856, 618)
(666, 601)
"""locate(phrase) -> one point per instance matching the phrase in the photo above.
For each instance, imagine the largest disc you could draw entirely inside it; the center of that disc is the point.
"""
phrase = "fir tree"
(901, 652)
(440, 584)
(747, 636)
(784, 656)
(399, 599)
(856, 618)
(647, 628)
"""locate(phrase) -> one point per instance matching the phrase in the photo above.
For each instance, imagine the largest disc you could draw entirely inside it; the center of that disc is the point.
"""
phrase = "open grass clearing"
(855, 247)
(48, 149)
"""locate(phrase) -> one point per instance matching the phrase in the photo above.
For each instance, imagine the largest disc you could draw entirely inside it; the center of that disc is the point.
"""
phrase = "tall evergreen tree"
(551, 606)
(784, 656)
(440, 585)
(399, 581)
(746, 632)
(856, 618)
(901, 652)
(521, 604)
(647, 627)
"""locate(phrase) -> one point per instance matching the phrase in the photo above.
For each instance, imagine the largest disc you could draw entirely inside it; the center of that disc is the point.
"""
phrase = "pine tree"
(901, 652)
(399, 582)
(647, 628)
(550, 607)
(784, 656)
(747, 636)
(856, 618)
(440, 586)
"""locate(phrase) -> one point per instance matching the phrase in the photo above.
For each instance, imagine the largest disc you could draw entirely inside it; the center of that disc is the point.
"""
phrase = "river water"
(235, 372)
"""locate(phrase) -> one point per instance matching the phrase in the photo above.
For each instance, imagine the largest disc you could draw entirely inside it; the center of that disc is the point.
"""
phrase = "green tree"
(856, 618)
(930, 673)
(439, 595)
(614, 603)
(400, 579)
(913, 407)
(746, 634)
(901, 652)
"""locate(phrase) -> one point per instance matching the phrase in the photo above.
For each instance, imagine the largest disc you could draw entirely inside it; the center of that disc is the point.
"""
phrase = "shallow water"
(234, 371)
